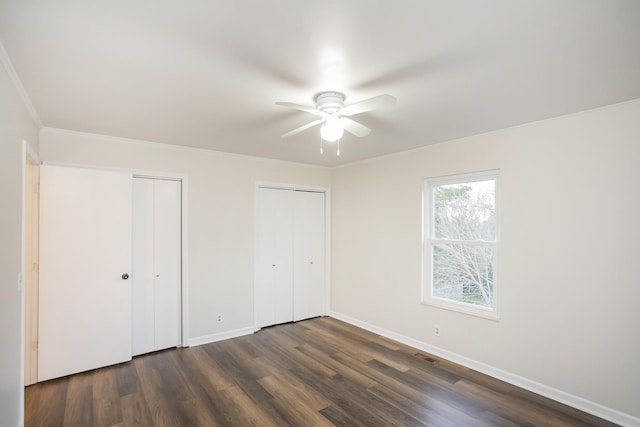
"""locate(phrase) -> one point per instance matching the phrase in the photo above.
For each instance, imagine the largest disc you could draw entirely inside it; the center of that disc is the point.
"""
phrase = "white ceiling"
(206, 73)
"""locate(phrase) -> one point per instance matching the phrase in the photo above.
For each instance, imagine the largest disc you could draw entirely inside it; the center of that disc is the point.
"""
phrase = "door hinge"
(34, 346)
(35, 267)
(36, 188)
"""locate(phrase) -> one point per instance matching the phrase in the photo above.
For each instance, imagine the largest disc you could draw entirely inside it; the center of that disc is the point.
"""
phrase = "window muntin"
(461, 242)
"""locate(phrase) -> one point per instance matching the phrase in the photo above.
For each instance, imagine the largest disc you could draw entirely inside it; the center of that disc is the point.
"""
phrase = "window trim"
(428, 240)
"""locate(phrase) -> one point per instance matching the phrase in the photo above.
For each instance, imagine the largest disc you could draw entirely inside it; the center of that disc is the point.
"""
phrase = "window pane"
(465, 211)
(463, 273)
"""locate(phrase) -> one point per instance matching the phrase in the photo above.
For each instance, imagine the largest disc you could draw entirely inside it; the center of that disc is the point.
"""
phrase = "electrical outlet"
(219, 317)
(436, 330)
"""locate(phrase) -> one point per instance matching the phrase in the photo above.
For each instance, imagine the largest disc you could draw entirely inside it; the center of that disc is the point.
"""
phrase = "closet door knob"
(125, 276)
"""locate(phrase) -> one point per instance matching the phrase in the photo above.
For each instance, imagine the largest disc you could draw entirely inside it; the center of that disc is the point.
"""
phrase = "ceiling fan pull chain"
(321, 151)
(338, 153)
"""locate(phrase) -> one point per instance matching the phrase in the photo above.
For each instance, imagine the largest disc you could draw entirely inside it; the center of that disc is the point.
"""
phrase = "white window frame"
(428, 240)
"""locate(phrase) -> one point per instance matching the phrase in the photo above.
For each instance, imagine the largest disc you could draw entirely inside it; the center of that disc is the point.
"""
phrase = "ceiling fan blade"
(302, 128)
(300, 107)
(354, 127)
(380, 101)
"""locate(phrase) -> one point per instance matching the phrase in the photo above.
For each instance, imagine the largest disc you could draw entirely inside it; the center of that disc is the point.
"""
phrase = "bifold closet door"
(290, 247)
(273, 288)
(308, 254)
(85, 259)
(156, 294)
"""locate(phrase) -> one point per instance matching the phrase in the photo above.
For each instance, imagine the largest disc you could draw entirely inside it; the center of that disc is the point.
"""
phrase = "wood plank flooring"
(318, 372)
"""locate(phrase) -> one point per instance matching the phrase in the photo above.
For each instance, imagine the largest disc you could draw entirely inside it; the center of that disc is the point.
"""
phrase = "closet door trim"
(327, 234)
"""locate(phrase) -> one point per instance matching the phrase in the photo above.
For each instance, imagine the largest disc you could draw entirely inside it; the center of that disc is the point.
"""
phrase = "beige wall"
(569, 272)
(15, 125)
(221, 213)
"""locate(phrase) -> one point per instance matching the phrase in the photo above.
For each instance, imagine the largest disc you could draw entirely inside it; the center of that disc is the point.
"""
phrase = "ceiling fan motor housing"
(329, 102)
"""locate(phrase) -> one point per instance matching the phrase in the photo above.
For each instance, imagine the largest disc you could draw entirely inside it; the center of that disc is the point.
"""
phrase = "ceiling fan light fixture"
(335, 116)
(332, 129)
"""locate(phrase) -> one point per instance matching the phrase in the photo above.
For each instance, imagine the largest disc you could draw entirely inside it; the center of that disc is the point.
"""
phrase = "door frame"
(327, 236)
(184, 178)
(30, 159)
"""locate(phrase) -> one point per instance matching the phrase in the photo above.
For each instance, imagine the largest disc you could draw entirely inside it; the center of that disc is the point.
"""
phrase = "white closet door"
(274, 257)
(142, 293)
(167, 262)
(308, 254)
(85, 248)
(157, 270)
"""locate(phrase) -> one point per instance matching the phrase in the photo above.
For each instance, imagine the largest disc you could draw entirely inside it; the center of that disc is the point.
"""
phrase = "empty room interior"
(320, 213)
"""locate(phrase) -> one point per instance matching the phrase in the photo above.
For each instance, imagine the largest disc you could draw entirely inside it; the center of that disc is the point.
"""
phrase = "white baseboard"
(221, 336)
(558, 395)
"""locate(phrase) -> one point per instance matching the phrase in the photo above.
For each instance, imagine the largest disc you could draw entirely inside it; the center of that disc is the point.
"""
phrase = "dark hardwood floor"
(319, 372)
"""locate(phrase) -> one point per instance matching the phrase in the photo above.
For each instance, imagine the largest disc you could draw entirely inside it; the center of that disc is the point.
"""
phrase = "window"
(460, 240)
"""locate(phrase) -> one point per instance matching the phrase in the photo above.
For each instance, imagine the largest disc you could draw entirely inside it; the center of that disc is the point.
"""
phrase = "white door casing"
(85, 248)
(31, 267)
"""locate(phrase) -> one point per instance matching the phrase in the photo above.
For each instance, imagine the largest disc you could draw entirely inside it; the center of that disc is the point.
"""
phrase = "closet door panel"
(273, 285)
(167, 262)
(308, 254)
(284, 257)
(143, 313)
(264, 275)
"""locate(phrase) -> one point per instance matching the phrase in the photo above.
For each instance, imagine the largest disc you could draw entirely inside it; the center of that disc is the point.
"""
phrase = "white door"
(308, 255)
(85, 255)
(273, 294)
(156, 275)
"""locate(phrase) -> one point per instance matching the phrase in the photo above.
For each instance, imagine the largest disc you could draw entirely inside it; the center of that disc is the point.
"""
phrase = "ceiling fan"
(334, 115)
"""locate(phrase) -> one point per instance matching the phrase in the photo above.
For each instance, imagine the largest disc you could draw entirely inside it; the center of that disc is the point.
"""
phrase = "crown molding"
(13, 76)
(95, 137)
